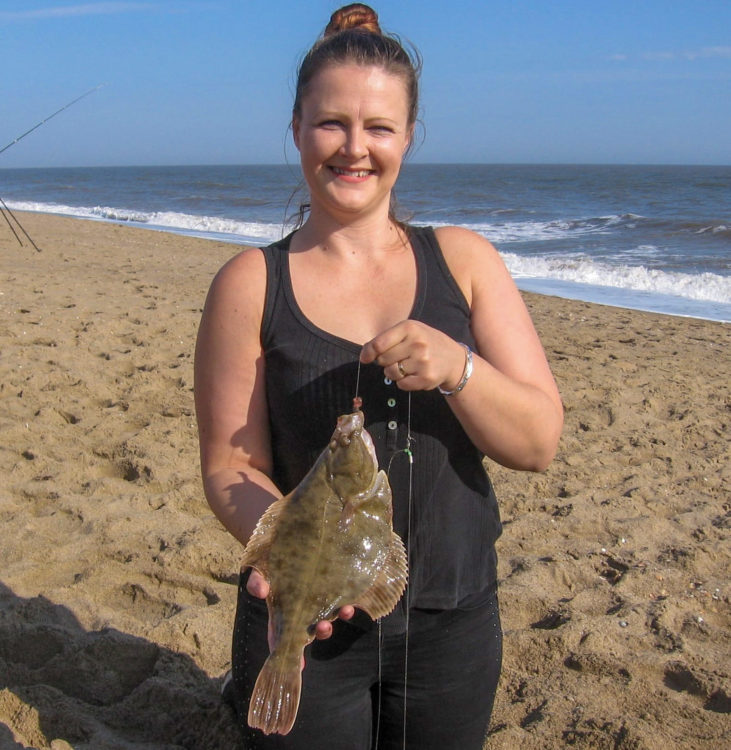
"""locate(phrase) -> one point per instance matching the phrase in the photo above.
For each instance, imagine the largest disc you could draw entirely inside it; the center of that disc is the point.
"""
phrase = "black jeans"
(454, 659)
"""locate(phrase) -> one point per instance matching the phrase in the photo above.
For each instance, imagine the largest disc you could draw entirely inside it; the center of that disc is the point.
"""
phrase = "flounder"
(329, 543)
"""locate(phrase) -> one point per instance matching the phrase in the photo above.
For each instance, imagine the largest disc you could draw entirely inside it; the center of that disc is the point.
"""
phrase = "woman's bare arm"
(230, 397)
(510, 408)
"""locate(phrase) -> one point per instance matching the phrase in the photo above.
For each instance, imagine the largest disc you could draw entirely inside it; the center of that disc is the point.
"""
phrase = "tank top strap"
(426, 246)
(275, 256)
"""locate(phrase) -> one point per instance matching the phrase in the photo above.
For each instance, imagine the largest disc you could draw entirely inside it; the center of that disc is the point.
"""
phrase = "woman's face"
(352, 133)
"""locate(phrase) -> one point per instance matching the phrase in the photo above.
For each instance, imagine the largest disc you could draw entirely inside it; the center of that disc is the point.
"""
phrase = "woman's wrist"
(466, 374)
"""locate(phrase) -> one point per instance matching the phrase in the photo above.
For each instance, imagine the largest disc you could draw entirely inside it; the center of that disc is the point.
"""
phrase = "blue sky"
(210, 82)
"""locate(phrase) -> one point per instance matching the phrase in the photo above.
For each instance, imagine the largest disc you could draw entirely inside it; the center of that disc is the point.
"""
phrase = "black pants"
(454, 659)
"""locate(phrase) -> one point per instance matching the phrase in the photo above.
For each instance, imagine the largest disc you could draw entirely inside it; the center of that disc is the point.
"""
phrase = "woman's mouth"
(356, 173)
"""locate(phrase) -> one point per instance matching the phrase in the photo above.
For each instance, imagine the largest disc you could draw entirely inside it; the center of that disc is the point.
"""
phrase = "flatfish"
(329, 543)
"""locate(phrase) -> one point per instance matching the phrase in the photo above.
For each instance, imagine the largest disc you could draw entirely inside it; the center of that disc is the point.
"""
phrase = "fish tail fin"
(276, 697)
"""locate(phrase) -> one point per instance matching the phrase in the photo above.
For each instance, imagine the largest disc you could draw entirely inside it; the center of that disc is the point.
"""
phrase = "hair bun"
(354, 16)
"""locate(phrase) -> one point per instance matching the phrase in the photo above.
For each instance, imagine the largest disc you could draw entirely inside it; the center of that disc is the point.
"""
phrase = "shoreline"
(119, 585)
(611, 296)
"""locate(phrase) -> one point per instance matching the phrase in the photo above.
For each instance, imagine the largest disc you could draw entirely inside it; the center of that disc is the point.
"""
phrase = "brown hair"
(355, 36)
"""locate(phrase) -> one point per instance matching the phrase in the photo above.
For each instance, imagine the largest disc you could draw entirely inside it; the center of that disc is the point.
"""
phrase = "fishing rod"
(5, 211)
(3, 206)
(57, 112)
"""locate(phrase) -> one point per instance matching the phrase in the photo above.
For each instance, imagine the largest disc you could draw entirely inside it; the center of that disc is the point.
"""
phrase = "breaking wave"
(209, 226)
(709, 287)
(576, 269)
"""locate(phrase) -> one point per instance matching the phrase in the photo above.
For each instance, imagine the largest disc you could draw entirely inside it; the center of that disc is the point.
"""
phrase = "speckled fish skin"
(329, 543)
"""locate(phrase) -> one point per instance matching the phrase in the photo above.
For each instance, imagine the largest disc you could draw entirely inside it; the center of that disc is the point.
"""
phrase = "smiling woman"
(431, 327)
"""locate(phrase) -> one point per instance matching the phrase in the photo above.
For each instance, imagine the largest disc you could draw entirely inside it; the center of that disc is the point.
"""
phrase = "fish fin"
(256, 552)
(276, 697)
(383, 595)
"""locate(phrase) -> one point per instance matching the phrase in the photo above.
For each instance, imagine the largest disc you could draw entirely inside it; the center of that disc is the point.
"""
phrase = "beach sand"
(118, 585)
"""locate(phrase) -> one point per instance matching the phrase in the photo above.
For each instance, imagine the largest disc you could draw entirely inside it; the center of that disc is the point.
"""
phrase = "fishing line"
(407, 594)
(380, 674)
(357, 400)
(357, 404)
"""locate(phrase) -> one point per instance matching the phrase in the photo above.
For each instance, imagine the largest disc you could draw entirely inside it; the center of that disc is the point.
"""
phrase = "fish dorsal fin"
(256, 553)
(383, 595)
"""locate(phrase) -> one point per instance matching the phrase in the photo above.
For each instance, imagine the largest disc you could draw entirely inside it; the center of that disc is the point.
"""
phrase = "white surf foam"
(565, 268)
(555, 229)
(703, 286)
(212, 226)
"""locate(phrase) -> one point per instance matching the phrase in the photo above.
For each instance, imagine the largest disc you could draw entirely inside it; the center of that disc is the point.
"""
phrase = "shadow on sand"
(105, 689)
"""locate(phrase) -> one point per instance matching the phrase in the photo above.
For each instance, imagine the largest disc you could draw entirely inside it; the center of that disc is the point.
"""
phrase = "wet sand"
(118, 584)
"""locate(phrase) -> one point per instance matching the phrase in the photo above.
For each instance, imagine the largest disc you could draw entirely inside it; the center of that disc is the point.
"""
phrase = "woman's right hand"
(258, 586)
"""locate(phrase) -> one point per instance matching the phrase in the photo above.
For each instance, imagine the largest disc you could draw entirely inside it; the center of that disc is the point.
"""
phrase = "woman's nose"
(354, 145)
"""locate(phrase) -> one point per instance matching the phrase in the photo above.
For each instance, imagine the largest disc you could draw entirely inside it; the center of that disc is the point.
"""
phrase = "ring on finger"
(400, 366)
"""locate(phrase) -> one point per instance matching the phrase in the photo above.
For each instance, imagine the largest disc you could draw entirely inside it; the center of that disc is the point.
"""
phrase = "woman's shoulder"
(246, 265)
(251, 261)
(453, 239)
(471, 258)
(239, 287)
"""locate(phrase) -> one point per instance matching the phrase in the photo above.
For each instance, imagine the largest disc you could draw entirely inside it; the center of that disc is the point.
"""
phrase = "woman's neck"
(364, 235)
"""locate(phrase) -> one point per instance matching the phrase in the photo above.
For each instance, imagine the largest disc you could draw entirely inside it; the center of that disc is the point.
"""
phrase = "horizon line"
(406, 164)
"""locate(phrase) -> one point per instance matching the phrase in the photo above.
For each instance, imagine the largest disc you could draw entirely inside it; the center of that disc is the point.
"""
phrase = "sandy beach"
(118, 584)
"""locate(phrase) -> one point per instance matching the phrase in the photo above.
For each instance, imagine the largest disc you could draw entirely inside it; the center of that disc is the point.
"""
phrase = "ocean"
(652, 238)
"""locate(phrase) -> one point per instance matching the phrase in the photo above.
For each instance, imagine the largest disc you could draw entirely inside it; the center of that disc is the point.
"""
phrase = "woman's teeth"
(352, 172)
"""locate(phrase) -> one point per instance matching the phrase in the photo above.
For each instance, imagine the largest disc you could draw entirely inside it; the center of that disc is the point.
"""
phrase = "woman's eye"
(330, 124)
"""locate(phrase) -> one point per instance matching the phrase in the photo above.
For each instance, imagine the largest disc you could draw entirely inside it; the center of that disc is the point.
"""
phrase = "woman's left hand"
(416, 356)
(324, 628)
(511, 409)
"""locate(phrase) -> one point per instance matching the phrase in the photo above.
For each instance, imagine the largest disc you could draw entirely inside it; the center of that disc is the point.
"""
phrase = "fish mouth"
(347, 427)
(350, 426)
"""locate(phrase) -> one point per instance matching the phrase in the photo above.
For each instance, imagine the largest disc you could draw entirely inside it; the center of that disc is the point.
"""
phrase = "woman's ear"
(409, 139)
(296, 130)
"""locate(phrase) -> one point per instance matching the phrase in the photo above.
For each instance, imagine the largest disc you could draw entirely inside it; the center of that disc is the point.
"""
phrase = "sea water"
(646, 237)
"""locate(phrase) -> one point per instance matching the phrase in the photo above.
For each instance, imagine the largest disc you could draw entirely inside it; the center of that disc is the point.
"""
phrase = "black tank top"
(311, 379)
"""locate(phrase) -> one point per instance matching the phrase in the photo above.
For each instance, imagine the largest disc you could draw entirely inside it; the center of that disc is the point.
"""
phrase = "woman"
(450, 369)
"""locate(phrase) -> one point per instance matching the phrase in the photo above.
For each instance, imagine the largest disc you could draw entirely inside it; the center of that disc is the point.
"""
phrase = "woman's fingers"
(387, 346)
(415, 356)
(324, 628)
